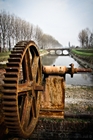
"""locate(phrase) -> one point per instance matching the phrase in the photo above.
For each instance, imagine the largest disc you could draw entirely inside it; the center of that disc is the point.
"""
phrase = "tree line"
(86, 38)
(14, 29)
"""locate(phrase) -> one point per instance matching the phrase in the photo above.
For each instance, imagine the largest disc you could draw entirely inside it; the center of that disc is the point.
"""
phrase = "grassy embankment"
(5, 55)
(85, 54)
(3, 58)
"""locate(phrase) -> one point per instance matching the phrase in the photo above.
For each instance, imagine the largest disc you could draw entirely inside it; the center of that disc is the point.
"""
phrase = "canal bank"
(82, 62)
(79, 99)
(3, 62)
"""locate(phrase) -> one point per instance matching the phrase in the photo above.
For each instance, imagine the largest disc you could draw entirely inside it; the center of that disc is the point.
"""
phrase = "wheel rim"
(22, 89)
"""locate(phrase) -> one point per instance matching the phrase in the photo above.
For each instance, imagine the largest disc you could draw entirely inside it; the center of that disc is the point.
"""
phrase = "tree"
(91, 40)
(84, 38)
(9, 30)
(87, 42)
(3, 25)
(38, 33)
(14, 29)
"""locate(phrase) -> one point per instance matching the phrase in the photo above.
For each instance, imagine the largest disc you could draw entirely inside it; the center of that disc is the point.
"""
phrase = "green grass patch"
(4, 56)
(82, 53)
(42, 51)
(85, 50)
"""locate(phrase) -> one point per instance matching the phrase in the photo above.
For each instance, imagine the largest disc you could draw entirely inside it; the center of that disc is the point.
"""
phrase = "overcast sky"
(63, 19)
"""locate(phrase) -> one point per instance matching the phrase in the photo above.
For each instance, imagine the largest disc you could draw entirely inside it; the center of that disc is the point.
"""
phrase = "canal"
(78, 79)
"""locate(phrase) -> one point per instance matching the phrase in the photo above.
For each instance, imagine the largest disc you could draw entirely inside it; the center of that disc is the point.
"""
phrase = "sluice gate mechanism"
(31, 89)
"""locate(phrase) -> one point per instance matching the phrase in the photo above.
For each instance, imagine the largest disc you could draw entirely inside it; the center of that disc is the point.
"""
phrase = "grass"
(42, 51)
(86, 53)
(85, 50)
(4, 56)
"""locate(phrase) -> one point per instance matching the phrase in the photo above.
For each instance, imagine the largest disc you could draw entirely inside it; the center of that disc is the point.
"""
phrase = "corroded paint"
(52, 101)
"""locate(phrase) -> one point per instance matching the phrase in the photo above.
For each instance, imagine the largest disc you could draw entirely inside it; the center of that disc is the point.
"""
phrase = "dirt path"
(79, 99)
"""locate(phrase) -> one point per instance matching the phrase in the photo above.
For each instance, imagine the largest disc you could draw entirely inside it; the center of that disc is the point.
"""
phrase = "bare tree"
(30, 31)
(9, 30)
(38, 35)
(91, 40)
(14, 29)
(88, 34)
(44, 43)
(0, 34)
(48, 42)
(84, 38)
(24, 30)
(3, 28)
(17, 29)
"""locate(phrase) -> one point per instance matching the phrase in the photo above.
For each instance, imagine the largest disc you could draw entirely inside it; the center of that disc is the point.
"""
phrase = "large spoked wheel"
(22, 89)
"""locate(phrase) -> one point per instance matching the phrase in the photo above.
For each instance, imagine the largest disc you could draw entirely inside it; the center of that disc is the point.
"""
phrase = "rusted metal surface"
(22, 89)
(62, 70)
(3, 128)
(52, 100)
(51, 70)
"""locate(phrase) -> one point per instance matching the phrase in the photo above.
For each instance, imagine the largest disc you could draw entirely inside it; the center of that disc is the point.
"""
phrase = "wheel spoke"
(26, 66)
(26, 111)
(23, 112)
(29, 57)
(35, 67)
(21, 105)
(34, 104)
(22, 88)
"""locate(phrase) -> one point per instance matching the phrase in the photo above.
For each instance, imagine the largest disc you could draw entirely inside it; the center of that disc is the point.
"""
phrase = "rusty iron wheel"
(22, 89)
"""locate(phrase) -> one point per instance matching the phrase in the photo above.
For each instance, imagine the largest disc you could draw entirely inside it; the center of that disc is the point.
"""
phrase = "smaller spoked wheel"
(22, 89)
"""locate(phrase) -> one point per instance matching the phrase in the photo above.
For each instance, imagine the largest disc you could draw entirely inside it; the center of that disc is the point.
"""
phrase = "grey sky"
(63, 19)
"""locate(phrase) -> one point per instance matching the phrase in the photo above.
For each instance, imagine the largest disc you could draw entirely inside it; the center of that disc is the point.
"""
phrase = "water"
(78, 79)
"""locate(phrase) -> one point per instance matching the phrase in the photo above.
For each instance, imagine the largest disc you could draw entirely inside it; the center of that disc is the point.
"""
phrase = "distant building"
(69, 44)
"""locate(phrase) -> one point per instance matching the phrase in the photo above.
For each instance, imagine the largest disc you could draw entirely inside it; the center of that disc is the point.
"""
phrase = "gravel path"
(79, 99)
